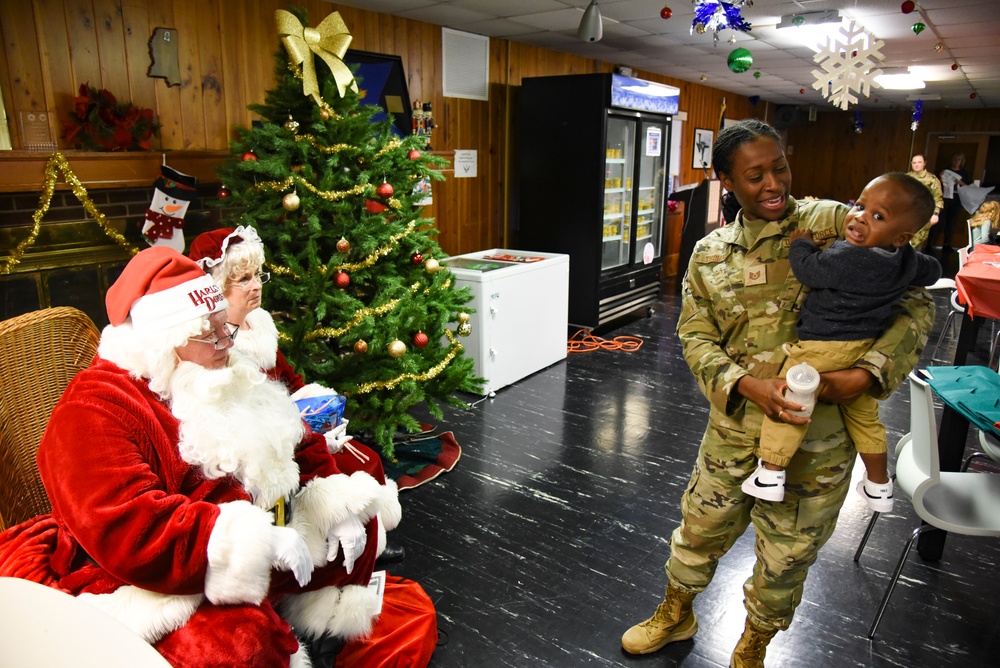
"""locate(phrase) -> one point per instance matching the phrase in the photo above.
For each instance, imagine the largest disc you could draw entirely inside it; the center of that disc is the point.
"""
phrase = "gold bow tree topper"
(329, 40)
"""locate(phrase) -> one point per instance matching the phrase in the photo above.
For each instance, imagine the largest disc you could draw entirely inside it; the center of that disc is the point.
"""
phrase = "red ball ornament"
(802, 91)
(343, 245)
(420, 339)
(385, 190)
(972, 96)
(907, 6)
(666, 13)
(249, 155)
(374, 207)
(417, 258)
(324, 114)
(954, 66)
(361, 346)
(413, 154)
(223, 192)
(341, 279)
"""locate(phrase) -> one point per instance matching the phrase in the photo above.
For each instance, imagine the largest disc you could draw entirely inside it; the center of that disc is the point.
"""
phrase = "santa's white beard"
(235, 421)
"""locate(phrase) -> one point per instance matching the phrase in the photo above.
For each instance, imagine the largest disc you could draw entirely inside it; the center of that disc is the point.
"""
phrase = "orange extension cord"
(585, 342)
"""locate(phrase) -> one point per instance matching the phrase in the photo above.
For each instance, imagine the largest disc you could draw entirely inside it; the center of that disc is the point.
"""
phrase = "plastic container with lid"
(803, 381)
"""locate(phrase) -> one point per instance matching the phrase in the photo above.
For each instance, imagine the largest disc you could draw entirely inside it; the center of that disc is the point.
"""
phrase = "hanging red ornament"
(972, 96)
(413, 154)
(341, 279)
(908, 6)
(249, 155)
(385, 190)
(666, 13)
(343, 245)
(374, 207)
(324, 114)
(416, 258)
(361, 346)
(223, 192)
(802, 91)
(420, 339)
(954, 66)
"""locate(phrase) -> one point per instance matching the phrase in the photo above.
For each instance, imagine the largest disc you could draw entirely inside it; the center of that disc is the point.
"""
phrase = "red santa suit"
(160, 506)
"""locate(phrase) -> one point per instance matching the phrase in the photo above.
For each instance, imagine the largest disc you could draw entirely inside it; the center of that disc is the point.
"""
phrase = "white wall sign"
(465, 164)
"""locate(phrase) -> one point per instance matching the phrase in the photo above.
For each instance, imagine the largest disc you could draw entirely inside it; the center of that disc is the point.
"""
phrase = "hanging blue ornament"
(918, 112)
(754, 100)
(859, 123)
(717, 16)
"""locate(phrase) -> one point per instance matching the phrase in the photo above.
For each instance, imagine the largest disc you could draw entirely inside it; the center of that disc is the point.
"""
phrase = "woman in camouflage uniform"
(740, 305)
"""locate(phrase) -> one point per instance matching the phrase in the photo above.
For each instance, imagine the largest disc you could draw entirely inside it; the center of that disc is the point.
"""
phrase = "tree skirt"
(420, 459)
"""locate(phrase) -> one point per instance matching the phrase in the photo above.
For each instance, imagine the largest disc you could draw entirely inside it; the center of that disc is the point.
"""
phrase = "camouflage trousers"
(789, 534)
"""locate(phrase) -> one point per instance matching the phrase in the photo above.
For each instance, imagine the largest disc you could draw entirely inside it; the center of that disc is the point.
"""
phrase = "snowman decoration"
(172, 194)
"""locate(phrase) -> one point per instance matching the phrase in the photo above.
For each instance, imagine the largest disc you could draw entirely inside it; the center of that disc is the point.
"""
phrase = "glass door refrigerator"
(593, 159)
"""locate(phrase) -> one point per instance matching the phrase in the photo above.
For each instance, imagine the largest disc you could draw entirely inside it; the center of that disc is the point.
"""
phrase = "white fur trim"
(239, 555)
(301, 658)
(187, 301)
(324, 502)
(390, 513)
(145, 613)
(259, 341)
(383, 540)
(347, 613)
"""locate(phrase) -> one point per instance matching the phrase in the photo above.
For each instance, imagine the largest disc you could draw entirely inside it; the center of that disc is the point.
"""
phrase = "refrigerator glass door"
(651, 207)
(618, 165)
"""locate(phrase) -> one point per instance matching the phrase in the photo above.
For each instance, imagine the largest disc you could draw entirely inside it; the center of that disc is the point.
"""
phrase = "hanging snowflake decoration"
(850, 65)
(717, 16)
(918, 112)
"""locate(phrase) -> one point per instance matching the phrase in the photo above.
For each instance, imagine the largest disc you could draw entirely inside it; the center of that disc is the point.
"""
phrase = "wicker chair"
(40, 352)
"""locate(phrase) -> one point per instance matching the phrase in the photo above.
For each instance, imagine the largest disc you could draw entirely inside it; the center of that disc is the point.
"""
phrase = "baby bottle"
(803, 380)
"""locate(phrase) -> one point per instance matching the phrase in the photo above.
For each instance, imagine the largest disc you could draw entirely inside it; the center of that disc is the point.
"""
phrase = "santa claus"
(189, 500)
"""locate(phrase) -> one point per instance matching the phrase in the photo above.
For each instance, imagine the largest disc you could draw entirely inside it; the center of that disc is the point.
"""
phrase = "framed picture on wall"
(703, 140)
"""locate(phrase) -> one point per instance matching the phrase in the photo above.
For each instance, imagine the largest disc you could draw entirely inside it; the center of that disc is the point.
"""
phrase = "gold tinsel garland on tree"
(365, 388)
(58, 163)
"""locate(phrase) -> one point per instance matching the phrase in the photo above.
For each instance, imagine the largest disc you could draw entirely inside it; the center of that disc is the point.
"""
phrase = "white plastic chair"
(961, 502)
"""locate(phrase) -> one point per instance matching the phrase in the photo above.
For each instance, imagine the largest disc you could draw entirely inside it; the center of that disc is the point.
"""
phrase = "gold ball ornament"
(324, 114)
(464, 317)
(397, 349)
(432, 266)
(700, 28)
(361, 346)
(465, 329)
(291, 202)
(291, 124)
(343, 245)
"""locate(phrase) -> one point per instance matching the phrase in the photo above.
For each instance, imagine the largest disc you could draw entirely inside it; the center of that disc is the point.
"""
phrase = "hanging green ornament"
(798, 20)
(740, 60)
(756, 75)
(917, 28)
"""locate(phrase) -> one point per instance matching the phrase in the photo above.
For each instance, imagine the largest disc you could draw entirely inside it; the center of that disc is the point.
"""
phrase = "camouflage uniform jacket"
(932, 183)
(741, 303)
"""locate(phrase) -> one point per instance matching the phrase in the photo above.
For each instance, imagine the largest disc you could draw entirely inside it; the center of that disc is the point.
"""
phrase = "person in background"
(918, 170)
(952, 179)
(189, 500)
(235, 261)
(854, 285)
(985, 223)
(740, 305)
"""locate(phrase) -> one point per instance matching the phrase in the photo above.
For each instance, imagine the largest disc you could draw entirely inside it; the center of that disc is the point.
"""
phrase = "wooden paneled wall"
(227, 52)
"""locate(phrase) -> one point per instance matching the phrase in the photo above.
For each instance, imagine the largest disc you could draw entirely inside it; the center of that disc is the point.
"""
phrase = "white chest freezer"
(521, 300)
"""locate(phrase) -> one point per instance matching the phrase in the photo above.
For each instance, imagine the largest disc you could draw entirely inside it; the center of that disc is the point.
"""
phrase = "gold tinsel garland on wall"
(58, 163)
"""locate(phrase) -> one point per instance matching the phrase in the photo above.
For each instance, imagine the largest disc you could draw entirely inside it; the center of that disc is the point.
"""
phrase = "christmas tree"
(361, 302)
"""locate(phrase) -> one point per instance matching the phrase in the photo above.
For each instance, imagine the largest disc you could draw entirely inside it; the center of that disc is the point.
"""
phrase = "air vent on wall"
(466, 60)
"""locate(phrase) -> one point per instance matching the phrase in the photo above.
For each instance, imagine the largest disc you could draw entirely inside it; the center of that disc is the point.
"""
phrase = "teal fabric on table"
(973, 391)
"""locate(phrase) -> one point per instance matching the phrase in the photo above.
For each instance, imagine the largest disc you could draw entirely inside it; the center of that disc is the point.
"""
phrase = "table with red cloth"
(978, 282)
(978, 286)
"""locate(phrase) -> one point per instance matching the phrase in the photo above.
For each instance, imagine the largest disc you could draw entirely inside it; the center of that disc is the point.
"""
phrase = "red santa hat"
(209, 248)
(161, 288)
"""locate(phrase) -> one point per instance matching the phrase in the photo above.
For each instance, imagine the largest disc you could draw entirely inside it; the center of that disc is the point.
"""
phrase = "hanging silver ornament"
(291, 124)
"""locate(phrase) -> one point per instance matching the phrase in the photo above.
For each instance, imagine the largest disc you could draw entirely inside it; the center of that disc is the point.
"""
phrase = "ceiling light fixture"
(899, 78)
(591, 27)
(811, 29)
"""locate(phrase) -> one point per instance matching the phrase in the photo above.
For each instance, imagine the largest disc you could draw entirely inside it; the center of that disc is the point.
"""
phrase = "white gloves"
(350, 536)
(336, 437)
(289, 553)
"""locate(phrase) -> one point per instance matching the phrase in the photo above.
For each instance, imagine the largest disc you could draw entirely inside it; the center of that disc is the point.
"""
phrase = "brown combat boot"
(749, 652)
(673, 620)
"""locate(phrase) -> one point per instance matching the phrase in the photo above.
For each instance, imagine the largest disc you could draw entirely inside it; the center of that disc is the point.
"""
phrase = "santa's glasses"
(247, 281)
(224, 341)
